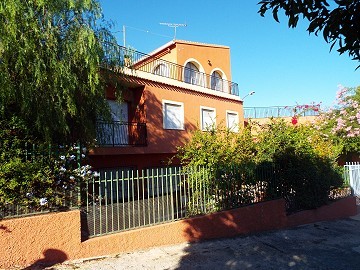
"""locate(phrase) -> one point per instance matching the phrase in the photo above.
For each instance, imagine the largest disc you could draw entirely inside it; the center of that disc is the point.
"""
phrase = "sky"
(283, 66)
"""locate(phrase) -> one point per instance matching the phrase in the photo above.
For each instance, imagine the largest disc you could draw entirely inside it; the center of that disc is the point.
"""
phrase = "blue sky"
(283, 66)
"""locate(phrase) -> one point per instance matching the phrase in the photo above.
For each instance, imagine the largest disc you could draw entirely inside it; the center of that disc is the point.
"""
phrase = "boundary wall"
(56, 237)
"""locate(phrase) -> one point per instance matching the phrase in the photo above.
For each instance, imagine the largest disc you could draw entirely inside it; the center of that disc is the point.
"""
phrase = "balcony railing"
(121, 134)
(126, 57)
(281, 111)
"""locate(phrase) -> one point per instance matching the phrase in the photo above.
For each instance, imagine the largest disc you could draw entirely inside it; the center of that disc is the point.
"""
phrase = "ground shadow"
(51, 257)
(323, 245)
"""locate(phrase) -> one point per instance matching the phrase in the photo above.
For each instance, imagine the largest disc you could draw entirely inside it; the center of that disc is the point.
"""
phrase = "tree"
(339, 22)
(342, 123)
(50, 57)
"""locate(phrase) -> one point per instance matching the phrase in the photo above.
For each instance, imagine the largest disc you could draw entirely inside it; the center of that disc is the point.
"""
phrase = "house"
(167, 94)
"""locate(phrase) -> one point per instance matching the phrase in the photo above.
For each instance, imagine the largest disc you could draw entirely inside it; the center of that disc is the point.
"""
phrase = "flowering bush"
(35, 176)
(342, 122)
(301, 162)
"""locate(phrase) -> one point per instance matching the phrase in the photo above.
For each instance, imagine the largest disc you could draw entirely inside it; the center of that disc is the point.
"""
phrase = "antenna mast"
(174, 25)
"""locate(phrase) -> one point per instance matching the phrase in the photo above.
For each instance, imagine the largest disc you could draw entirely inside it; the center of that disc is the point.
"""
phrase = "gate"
(352, 176)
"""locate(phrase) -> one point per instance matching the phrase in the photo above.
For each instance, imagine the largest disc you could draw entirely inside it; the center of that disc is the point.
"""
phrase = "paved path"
(333, 245)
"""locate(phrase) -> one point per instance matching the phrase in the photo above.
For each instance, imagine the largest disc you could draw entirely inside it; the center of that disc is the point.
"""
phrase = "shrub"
(36, 176)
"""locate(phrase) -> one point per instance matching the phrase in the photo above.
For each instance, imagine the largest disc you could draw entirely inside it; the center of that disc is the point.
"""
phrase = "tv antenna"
(174, 25)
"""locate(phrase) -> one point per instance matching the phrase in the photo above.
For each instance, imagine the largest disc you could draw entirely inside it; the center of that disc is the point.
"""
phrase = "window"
(173, 115)
(207, 116)
(162, 70)
(216, 81)
(191, 73)
(116, 131)
(232, 121)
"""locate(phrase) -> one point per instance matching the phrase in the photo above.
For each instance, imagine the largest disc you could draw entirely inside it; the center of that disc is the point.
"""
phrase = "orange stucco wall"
(53, 238)
(219, 56)
(165, 141)
(148, 107)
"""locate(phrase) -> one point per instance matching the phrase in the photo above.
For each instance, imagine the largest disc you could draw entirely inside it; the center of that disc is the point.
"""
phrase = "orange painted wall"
(53, 238)
(166, 141)
(219, 56)
(27, 240)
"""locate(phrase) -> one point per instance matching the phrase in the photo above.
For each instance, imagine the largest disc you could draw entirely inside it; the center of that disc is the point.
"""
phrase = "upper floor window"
(173, 115)
(216, 81)
(162, 70)
(193, 75)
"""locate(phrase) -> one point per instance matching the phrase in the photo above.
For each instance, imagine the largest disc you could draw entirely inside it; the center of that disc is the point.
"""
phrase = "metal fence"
(280, 111)
(352, 177)
(124, 199)
(126, 57)
(44, 155)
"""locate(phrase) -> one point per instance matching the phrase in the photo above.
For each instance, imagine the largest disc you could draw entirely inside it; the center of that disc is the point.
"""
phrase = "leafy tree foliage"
(305, 162)
(338, 20)
(37, 176)
(342, 122)
(50, 56)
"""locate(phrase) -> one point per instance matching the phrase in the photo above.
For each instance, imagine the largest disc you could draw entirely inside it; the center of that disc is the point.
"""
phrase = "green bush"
(277, 160)
(36, 176)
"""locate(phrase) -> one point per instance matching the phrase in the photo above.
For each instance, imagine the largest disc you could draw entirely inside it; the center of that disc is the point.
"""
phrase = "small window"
(216, 81)
(208, 118)
(232, 121)
(173, 115)
(162, 70)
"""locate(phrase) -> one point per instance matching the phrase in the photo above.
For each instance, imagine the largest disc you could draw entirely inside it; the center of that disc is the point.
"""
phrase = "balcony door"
(119, 115)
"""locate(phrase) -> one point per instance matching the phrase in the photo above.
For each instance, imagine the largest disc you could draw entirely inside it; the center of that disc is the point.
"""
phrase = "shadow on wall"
(51, 257)
(5, 229)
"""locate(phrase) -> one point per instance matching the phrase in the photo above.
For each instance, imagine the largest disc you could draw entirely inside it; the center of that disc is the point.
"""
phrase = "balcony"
(118, 133)
(135, 60)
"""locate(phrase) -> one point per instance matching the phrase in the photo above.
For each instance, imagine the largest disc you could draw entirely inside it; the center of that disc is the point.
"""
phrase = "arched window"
(191, 74)
(216, 81)
(162, 70)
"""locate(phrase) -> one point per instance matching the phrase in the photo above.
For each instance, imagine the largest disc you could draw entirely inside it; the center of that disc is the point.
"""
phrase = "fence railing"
(280, 111)
(352, 176)
(67, 157)
(124, 199)
(118, 133)
(127, 57)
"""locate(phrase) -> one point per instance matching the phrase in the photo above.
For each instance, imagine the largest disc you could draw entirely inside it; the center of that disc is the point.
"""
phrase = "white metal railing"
(352, 176)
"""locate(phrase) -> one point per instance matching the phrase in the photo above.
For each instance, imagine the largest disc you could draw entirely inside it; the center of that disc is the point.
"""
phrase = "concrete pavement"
(332, 245)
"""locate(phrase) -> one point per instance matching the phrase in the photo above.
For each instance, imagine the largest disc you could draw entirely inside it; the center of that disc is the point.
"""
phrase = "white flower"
(72, 177)
(43, 201)
(62, 169)
(96, 174)
(62, 157)
(72, 157)
(29, 195)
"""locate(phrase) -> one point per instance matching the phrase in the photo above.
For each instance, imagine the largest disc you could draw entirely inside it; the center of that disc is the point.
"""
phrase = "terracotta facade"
(160, 78)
